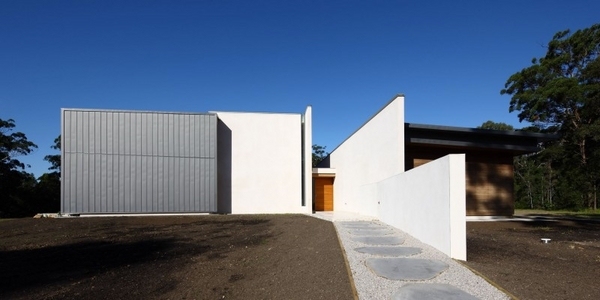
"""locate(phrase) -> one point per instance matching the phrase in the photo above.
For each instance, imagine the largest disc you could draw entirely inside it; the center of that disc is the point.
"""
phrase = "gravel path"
(371, 286)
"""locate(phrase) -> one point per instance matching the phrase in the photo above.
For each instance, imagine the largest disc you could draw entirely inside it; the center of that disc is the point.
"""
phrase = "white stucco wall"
(263, 172)
(428, 202)
(374, 152)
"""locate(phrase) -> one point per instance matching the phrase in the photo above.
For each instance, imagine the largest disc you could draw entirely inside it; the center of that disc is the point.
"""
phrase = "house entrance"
(323, 193)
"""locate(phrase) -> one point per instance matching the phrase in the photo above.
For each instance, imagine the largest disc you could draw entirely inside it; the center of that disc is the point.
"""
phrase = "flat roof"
(517, 142)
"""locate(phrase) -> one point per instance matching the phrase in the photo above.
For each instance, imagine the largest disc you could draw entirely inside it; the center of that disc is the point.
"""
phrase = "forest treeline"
(560, 94)
(21, 194)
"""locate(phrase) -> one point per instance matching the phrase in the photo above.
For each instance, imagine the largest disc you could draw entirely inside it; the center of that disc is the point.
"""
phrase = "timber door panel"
(323, 193)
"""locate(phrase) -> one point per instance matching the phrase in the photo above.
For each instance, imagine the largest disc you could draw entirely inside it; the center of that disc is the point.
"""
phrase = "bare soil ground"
(512, 255)
(193, 257)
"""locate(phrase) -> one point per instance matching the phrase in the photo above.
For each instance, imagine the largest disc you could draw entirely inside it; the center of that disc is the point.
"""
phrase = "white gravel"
(371, 286)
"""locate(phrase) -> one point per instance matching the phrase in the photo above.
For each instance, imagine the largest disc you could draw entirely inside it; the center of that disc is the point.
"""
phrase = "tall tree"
(560, 93)
(15, 183)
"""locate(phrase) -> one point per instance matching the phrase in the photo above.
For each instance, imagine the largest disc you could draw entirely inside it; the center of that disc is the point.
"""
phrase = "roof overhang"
(515, 142)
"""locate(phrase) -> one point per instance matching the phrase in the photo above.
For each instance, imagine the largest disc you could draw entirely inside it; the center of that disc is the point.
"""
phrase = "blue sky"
(345, 58)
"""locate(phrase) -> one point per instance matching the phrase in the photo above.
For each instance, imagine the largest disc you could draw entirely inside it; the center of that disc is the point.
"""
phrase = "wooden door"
(323, 193)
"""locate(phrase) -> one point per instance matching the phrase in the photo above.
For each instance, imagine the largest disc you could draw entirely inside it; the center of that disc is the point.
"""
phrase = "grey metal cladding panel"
(115, 162)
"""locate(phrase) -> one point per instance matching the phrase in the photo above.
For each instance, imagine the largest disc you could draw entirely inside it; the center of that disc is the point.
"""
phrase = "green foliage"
(54, 159)
(560, 93)
(21, 194)
(47, 194)
(495, 126)
(318, 154)
(12, 144)
(16, 185)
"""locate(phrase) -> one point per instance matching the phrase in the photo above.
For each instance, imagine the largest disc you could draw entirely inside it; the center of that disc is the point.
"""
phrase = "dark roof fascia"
(458, 144)
(516, 142)
(541, 137)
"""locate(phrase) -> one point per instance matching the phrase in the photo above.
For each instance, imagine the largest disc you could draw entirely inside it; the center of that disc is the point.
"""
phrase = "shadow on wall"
(223, 168)
(489, 189)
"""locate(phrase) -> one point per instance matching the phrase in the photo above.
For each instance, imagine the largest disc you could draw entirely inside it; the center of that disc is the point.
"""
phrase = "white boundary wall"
(428, 202)
(372, 153)
(265, 164)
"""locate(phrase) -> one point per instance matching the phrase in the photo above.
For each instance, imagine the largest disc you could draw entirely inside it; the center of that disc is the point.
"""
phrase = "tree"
(12, 145)
(15, 184)
(54, 159)
(318, 154)
(495, 126)
(47, 189)
(560, 93)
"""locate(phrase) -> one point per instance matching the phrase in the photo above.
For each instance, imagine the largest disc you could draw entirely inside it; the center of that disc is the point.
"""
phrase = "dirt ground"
(512, 255)
(193, 257)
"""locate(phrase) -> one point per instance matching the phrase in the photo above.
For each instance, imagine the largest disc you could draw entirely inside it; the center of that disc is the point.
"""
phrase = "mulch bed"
(513, 256)
(191, 257)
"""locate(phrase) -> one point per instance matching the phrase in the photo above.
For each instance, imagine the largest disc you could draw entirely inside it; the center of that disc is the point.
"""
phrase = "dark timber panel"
(489, 182)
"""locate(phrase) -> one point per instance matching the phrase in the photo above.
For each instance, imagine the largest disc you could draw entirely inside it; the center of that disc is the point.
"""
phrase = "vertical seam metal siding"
(138, 162)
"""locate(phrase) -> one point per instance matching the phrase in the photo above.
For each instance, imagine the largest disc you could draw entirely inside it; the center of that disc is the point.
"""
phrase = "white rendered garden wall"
(428, 202)
(261, 157)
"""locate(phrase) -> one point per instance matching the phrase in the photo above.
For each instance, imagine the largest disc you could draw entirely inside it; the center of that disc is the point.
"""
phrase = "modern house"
(419, 178)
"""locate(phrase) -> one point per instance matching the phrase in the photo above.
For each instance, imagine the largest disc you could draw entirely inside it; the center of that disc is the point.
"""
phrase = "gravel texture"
(371, 286)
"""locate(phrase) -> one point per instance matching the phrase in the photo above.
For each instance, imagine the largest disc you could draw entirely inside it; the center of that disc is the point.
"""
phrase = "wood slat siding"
(138, 162)
(323, 193)
(489, 182)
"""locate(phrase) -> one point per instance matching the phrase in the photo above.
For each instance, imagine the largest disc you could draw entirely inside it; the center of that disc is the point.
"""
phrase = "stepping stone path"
(416, 291)
(406, 268)
(371, 232)
(381, 241)
(389, 251)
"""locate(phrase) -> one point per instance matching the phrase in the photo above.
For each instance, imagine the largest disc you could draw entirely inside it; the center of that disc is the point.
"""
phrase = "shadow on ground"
(28, 268)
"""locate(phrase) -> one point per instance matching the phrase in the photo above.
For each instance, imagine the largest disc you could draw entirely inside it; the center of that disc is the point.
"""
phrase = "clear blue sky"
(345, 58)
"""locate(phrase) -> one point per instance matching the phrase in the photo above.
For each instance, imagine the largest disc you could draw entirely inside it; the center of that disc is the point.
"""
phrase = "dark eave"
(515, 142)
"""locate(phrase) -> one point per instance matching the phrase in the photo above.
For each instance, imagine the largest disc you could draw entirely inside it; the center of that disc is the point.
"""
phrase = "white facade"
(261, 163)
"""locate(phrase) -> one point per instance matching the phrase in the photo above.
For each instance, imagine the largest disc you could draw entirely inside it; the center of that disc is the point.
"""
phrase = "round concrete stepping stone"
(406, 268)
(363, 226)
(418, 291)
(373, 232)
(389, 251)
(352, 223)
(379, 240)
(369, 228)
